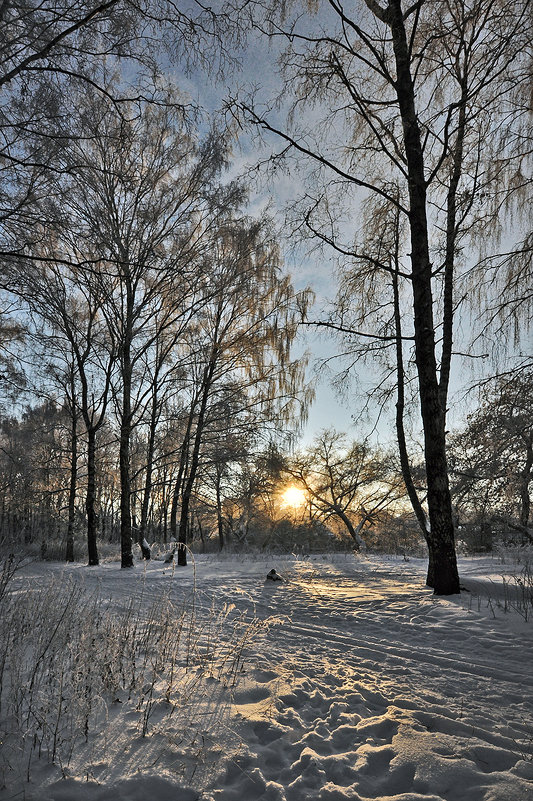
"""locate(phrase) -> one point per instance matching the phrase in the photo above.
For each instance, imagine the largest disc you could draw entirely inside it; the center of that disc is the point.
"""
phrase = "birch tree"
(492, 457)
(405, 102)
(144, 200)
(66, 303)
(53, 50)
(245, 334)
(344, 481)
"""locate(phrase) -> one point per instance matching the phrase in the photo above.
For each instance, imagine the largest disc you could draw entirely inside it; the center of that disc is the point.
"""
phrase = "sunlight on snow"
(330, 582)
(369, 687)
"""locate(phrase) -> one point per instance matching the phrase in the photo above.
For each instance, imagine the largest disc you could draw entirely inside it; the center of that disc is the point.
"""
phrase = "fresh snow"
(363, 686)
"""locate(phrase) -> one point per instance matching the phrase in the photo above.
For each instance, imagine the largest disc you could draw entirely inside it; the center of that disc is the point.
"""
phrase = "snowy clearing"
(360, 685)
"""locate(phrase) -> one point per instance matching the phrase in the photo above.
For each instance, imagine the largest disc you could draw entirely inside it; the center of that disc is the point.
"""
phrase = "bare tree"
(342, 480)
(245, 335)
(51, 51)
(66, 300)
(492, 458)
(142, 202)
(407, 99)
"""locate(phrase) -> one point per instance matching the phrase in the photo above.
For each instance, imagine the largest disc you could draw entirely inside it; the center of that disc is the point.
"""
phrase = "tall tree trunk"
(73, 480)
(90, 499)
(178, 484)
(126, 553)
(400, 435)
(195, 457)
(441, 535)
(163, 509)
(525, 480)
(220, 521)
(449, 260)
(147, 492)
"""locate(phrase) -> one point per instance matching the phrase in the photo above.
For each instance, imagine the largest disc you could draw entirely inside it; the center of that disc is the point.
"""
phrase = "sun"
(293, 497)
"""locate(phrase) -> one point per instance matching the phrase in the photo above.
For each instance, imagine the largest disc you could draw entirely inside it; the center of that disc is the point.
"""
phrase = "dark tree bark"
(194, 460)
(148, 480)
(401, 438)
(450, 254)
(90, 498)
(126, 554)
(73, 479)
(525, 481)
(182, 469)
(350, 527)
(220, 520)
(441, 541)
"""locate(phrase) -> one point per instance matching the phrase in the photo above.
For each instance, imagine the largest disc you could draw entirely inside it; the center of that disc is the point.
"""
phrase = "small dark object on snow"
(169, 556)
(273, 576)
(145, 550)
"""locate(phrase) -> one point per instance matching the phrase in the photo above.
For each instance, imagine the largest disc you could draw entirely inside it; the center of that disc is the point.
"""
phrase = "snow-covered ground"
(362, 686)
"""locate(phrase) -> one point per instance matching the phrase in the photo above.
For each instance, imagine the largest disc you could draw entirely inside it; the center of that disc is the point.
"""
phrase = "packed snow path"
(366, 687)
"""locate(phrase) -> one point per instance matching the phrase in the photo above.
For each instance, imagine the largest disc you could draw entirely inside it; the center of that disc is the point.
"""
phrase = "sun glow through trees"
(293, 497)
